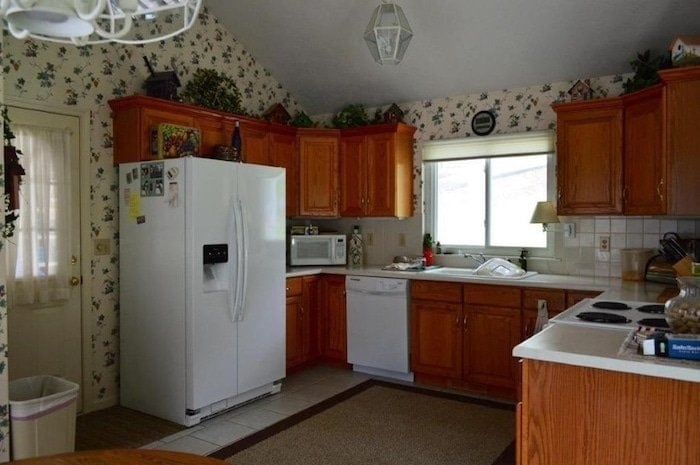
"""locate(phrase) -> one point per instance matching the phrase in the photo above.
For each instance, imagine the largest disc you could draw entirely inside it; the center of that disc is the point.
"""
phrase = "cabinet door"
(283, 153)
(353, 176)
(254, 143)
(589, 158)
(490, 333)
(334, 332)
(295, 338)
(436, 338)
(380, 175)
(644, 162)
(310, 310)
(318, 175)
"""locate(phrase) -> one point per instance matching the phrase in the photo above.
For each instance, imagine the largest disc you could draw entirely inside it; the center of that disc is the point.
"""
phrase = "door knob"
(74, 281)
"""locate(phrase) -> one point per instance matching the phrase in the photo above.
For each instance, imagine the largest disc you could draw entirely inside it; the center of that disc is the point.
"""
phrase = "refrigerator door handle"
(240, 260)
(244, 269)
(232, 293)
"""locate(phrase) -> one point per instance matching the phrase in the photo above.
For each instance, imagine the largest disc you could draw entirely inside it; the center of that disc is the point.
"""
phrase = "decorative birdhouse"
(162, 84)
(393, 114)
(277, 114)
(581, 90)
(685, 50)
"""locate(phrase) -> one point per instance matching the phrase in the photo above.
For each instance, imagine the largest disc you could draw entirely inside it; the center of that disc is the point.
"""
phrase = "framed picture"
(483, 123)
(173, 141)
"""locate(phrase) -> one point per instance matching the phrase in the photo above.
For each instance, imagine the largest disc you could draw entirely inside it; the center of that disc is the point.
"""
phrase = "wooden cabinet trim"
(440, 291)
(492, 295)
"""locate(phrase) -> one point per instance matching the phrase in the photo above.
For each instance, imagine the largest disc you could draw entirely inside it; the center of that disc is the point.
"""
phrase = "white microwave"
(321, 249)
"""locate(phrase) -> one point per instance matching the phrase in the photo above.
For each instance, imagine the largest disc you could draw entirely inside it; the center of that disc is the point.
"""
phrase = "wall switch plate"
(402, 239)
(570, 230)
(369, 238)
(102, 246)
(604, 243)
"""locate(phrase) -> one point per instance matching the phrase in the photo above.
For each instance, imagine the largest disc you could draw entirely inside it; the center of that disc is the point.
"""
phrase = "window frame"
(481, 144)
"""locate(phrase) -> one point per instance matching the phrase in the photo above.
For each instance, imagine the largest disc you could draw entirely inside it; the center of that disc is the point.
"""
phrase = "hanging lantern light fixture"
(388, 33)
(87, 22)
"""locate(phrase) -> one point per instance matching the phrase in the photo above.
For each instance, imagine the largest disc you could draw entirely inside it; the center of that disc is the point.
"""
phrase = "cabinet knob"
(74, 281)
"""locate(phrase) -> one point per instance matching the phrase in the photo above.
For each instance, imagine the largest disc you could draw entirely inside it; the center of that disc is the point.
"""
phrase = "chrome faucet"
(478, 258)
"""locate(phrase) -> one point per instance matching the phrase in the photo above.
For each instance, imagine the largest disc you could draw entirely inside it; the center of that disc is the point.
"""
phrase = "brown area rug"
(384, 423)
(119, 427)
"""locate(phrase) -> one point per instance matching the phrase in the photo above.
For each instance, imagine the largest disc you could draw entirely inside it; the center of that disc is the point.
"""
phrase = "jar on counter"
(683, 311)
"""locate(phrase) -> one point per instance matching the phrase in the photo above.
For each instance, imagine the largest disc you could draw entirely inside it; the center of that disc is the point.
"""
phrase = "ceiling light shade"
(388, 33)
(544, 213)
(87, 22)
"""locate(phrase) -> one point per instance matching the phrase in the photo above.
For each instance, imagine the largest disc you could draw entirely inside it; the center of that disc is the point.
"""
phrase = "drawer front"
(435, 290)
(492, 295)
(293, 286)
(556, 299)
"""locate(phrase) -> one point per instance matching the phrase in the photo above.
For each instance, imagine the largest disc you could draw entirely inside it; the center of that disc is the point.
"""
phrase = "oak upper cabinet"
(376, 166)
(682, 87)
(283, 153)
(491, 330)
(644, 155)
(333, 319)
(436, 328)
(254, 142)
(318, 172)
(589, 157)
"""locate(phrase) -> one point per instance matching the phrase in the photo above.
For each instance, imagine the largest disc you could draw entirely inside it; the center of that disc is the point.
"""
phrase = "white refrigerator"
(202, 285)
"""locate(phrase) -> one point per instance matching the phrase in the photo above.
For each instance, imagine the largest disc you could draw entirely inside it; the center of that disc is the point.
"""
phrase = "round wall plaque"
(483, 123)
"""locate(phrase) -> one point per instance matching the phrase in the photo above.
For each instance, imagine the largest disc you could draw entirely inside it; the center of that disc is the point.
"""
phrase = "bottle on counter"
(438, 248)
(428, 249)
(356, 248)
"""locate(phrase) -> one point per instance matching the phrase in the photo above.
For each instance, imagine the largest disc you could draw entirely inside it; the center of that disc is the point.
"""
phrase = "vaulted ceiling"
(314, 48)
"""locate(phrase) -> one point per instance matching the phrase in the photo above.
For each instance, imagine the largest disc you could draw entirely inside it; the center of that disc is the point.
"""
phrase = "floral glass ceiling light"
(87, 22)
(388, 33)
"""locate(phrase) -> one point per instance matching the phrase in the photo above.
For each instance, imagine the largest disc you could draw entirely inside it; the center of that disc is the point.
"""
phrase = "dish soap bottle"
(428, 249)
(355, 247)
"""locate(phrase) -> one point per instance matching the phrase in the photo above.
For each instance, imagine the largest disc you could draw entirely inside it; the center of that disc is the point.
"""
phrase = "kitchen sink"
(471, 273)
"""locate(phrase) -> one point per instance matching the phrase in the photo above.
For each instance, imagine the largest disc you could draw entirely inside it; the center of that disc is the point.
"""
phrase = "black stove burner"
(600, 317)
(610, 305)
(656, 309)
(653, 323)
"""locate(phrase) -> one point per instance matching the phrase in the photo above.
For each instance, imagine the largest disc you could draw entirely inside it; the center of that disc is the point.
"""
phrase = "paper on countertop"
(403, 267)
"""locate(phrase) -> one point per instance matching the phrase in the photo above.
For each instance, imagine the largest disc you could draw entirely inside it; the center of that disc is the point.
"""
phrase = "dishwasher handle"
(383, 293)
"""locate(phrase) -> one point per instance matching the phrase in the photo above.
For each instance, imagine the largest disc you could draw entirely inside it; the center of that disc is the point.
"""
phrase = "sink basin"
(471, 273)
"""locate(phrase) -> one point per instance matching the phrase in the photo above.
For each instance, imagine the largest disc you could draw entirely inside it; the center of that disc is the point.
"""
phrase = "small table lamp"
(544, 213)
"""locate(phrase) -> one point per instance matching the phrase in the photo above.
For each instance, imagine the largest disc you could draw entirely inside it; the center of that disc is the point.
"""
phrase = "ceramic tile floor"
(299, 391)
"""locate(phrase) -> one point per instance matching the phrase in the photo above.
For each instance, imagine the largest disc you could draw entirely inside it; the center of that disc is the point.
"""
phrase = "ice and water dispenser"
(215, 276)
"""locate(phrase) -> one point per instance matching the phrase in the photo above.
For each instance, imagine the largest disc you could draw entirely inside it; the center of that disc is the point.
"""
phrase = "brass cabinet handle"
(457, 321)
(465, 323)
(658, 189)
(74, 281)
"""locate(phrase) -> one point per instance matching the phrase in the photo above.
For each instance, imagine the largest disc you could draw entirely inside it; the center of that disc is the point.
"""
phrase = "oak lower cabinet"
(333, 331)
(462, 335)
(436, 329)
(302, 321)
(318, 172)
(582, 415)
(589, 157)
(376, 171)
(491, 330)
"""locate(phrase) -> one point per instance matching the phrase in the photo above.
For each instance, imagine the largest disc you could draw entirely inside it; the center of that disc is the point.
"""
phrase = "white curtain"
(39, 252)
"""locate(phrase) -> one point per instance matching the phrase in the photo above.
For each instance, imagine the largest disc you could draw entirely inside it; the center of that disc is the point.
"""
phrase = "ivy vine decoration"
(11, 177)
(645, 68)
(351, 116)
(302, 120)
(211, 89)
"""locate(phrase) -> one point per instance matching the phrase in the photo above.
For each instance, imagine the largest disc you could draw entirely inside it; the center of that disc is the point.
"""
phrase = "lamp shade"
(388, 33)
(544, 213)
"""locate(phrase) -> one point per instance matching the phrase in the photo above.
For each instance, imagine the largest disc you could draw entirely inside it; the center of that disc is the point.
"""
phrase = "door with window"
(43, 254)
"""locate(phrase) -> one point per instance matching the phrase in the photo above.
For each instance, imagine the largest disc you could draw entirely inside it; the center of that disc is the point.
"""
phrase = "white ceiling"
(314, 48)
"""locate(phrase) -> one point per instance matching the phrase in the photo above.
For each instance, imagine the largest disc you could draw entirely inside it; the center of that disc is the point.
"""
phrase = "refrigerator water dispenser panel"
(215, 274)
(215, 253)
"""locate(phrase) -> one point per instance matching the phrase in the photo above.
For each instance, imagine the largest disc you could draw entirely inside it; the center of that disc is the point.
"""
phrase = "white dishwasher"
(378, 328)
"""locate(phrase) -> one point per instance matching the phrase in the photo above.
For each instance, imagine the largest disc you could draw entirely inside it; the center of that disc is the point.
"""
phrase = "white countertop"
(612, 288)
(596, 347)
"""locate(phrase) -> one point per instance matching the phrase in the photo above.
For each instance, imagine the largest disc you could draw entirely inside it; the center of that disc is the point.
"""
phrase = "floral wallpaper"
(87, 77)
(4, 387)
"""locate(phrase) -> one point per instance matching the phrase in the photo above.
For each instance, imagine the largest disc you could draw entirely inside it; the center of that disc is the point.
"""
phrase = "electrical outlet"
(402, 239)
(604, 243)
(369, 238)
